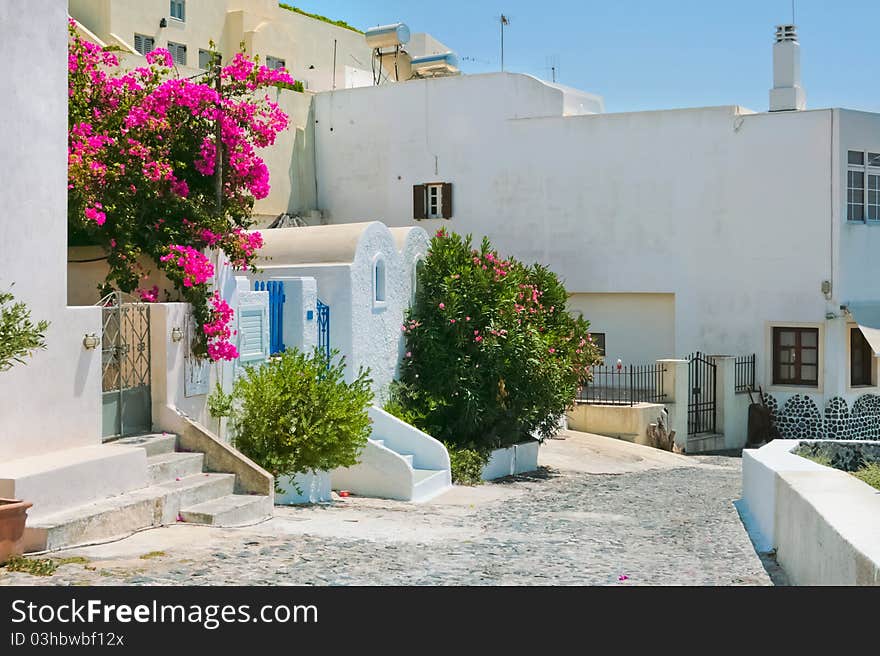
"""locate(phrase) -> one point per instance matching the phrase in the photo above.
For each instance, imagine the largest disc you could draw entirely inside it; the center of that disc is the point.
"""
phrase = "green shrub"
(337, 23)
(467, 465)
(492, 354)
(220, 403)
(870, 474)
(19, 337)
(296, 413)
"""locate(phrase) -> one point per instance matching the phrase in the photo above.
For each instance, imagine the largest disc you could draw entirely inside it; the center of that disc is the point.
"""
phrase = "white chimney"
(787, 93)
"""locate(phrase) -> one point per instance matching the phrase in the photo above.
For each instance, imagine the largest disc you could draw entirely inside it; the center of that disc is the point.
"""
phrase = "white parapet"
(824, 524)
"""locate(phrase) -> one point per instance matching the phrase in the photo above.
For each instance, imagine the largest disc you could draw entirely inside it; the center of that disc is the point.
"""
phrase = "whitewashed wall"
(735, 213)
(53, 402)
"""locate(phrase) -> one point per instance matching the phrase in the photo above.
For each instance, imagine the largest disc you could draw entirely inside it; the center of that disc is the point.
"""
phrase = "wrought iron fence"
(324, 328)
(626, 385)
(745, 373)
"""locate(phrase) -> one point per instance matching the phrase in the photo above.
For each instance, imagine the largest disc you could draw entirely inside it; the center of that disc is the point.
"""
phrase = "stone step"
(154, 444)
(428, 483)
(231, 510)
(120, 515)
(193, 490)
(704, 443)
(169, 466)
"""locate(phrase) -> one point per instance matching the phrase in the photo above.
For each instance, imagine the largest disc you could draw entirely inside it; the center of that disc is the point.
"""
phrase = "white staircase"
(178, 489)
(399, 462)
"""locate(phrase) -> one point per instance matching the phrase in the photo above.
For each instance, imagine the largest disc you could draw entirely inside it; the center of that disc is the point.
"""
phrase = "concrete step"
(231, 510)
(169, 466)
(408, 457)
(704, 443)
(428, 483)
(154, 443)
(120, 515)
(193, 490)
(379, 442)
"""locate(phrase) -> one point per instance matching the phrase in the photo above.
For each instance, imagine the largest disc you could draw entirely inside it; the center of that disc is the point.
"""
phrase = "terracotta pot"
(13, 515)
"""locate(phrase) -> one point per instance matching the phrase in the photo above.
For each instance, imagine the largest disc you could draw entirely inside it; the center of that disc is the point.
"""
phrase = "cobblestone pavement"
(673, 523)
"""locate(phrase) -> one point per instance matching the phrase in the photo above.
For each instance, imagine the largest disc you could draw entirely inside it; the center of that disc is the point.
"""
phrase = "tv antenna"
(552, 65)
(505, 20)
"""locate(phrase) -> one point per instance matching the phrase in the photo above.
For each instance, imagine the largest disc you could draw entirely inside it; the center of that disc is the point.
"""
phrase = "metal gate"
(324, 328)
(125, 359)
(277, 297)
(701, 394)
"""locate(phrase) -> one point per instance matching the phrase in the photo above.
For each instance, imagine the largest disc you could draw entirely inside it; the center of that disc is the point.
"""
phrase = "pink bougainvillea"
(142, 164)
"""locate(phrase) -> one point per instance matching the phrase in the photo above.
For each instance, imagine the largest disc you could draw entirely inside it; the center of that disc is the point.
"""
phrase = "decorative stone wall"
(800, 419)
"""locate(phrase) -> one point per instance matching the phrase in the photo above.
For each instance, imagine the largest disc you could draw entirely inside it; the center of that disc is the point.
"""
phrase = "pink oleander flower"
(442, 306)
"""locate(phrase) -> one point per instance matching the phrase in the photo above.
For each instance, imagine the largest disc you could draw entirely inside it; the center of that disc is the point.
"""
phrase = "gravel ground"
(662, 525)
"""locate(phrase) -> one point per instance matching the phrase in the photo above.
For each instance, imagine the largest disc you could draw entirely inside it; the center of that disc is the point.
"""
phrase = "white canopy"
(867, 315)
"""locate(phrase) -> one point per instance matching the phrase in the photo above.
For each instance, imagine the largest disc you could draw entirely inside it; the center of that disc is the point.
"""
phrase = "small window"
(178, 9)
(274, 63)
(874, 160)
(856, 157)
(599, 341)
(204, 59)
(861, 358)
(178, 53)
(144, 44)
(796, 356)
(379, 280)
(432, 201)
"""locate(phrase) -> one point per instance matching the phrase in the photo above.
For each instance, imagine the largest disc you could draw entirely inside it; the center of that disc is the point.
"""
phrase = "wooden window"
(419, 193)
(861, 358)
(796, 356)
(144, 44)
(432, 201)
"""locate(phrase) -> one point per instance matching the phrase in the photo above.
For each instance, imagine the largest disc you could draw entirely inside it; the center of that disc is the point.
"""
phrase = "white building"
(717, 229)
(363, 274)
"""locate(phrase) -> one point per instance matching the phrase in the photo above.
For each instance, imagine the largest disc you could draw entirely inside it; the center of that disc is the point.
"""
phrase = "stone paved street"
(599, 509)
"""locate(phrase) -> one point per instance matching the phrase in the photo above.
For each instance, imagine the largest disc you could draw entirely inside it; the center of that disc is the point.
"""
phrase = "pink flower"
(95, 214)
(149, 295)
(442, 306)
(478, 339)
(623, 577)
(452, 321)
(409, 354)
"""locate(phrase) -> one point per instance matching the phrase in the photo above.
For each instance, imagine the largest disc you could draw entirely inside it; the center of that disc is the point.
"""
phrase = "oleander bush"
(296, 414)
(492, 354)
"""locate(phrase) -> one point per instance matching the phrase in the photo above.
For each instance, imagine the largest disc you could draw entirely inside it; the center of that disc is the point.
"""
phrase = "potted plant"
(13, 515)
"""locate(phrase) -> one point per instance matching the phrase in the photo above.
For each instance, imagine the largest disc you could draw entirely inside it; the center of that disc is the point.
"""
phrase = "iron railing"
(324, 328)
(625, 385)
(745, 373)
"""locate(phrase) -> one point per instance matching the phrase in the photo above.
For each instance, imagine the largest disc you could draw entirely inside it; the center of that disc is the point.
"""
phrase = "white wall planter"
(516, 459)
(314, 486)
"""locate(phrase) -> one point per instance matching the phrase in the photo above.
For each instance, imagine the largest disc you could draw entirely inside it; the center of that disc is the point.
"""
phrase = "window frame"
(202, 51)
(174, 48)
(868, 167)
(144, 38)
(182, 5)
(437, 203)
(271, 58)
(797, 381)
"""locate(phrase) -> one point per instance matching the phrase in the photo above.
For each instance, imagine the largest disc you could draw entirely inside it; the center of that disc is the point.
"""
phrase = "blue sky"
(651, 54)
